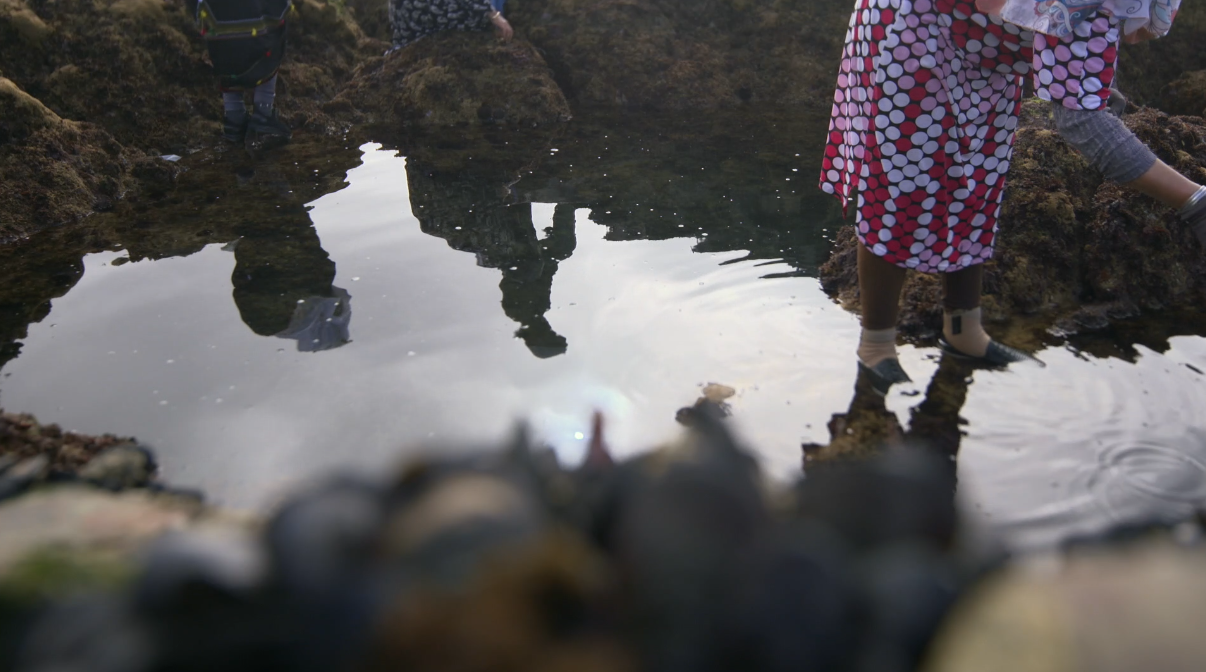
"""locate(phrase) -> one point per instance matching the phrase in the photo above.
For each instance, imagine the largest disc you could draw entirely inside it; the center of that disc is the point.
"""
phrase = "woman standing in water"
(924, 120)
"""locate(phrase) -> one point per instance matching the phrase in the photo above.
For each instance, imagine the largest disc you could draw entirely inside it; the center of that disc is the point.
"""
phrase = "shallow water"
(273, 320)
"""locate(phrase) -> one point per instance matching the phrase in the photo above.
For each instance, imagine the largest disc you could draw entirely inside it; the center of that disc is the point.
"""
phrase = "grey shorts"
(1106, 142)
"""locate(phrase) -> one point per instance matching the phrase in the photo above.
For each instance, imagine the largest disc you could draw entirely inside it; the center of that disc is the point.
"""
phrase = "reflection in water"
(471, 214)
(283, 283)
(1044, 454)
(868, 427)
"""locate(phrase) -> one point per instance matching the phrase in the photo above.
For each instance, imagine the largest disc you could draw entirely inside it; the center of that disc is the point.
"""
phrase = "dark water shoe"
(234, 127)
(267, 129)
(884, 375)
(997, 355)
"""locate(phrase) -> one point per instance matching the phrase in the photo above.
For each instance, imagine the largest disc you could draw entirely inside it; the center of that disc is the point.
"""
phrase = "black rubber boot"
(267, 129)
(234, 127)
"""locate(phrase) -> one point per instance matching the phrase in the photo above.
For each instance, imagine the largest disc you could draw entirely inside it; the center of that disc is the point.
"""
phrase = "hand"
(1141, 35)
(989, 6)
(504, 29)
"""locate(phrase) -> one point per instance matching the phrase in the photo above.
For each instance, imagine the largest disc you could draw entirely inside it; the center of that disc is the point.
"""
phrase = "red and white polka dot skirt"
(925, 114)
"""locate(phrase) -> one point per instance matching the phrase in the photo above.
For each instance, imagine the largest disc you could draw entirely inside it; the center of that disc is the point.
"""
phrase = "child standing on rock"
(246, 42)
(922, 132)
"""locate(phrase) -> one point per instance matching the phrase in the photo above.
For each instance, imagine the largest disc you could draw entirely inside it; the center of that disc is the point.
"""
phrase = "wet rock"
(1186, 95)
(668, 55)
(457, 78)
(797, 604)
(18, 477)
(76, 517)
(1104, 610)
(713, 394)
(121, 467)
(22, 436)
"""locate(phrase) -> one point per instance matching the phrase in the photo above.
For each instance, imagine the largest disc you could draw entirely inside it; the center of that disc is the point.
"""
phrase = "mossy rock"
(1186, 95)
(455, 79)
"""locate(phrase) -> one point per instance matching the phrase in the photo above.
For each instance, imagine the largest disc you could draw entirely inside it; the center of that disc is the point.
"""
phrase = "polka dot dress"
(925, 115)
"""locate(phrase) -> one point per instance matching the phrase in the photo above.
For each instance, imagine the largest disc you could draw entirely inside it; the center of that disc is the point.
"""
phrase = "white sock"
(876, 345)
(962, 329)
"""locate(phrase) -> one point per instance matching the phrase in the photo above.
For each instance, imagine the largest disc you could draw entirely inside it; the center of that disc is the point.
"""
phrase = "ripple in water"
(1086, 444)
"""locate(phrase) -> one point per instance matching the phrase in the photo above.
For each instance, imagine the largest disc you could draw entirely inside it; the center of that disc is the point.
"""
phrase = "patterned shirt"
(414, 19)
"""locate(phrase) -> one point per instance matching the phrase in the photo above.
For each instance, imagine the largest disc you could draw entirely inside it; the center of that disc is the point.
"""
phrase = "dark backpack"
(245, 38)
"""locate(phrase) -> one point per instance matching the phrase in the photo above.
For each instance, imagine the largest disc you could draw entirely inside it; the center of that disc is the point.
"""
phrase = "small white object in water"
(410, 353)
(356, 279)
(170, 157)
(579, 435)
(171, 361)
(163, 402)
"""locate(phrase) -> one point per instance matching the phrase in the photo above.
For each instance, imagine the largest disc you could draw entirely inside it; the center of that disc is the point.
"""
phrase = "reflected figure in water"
(868, 428)
(472, 215)
(283, 282)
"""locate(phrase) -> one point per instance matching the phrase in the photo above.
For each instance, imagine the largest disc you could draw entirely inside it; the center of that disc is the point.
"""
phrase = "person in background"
(246, 43)
(411, 20)
(922, 132)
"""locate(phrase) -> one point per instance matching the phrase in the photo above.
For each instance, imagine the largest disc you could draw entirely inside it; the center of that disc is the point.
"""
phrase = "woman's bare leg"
(961, 325)
(879, 285)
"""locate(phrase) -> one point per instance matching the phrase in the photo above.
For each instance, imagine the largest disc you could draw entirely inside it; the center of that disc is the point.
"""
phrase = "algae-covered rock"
(22, 115)
(373, 17)
(1068, 239)
(1186, 95)
(19, 23)
(457, 78)
(23, 437)
(1145, 69)
(139, 68)
(54, 171)
(674, 55)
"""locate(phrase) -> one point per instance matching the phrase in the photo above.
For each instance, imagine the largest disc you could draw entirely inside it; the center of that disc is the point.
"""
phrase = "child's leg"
(232, 103)
(266, 124)
(879, 285)
(264, 97)
(234, 118)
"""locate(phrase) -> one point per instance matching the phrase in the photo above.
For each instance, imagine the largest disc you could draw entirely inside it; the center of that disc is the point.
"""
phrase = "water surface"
(273, 321)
